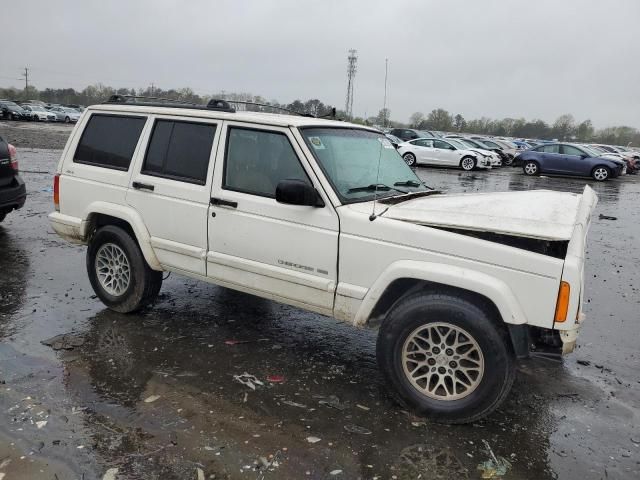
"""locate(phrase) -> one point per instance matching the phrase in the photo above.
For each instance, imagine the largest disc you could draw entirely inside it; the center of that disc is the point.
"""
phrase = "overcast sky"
(533, 59)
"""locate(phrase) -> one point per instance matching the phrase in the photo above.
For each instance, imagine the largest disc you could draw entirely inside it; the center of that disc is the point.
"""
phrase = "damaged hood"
(541, 214)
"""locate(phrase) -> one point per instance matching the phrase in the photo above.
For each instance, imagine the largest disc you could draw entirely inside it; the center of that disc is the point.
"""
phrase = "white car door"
(275, 250)
(446, 153)
(171, 186)
(425, 153)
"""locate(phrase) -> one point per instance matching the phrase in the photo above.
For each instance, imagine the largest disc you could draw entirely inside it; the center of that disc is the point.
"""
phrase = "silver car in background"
(65, 114)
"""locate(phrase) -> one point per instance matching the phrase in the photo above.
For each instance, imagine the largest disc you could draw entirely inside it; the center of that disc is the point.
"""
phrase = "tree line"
(565, 128)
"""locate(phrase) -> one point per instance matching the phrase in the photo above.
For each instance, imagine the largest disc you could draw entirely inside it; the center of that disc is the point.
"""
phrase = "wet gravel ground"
(153, 396)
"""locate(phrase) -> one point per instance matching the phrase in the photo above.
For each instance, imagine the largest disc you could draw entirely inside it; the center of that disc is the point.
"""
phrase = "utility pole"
(384, 103)
(26, 79)
(352, 60)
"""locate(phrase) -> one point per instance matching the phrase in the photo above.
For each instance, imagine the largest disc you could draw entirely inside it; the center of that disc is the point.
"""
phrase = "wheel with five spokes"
(446, 355)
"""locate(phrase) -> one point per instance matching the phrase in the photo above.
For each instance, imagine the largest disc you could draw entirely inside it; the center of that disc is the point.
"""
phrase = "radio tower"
(352, 59)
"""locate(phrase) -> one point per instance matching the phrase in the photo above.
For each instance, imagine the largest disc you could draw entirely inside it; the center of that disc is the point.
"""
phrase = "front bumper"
(13, 196)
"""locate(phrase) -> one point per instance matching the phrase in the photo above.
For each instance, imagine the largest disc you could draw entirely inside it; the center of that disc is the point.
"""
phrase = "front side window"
(570, 150)
(109, 141)
(179, 151)
(356, 160)
(257, 160)
(423, 143)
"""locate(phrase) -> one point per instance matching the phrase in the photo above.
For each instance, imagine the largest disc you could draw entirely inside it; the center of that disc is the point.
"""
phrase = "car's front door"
(280, 251)
(170, 189)
(575, 160)
(446, 153)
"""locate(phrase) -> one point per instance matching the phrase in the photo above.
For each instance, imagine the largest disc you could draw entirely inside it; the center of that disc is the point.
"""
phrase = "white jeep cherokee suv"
(326, 216)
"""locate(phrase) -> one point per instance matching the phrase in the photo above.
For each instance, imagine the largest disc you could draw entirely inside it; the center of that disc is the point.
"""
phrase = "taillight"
(56, 192)
(13, 157)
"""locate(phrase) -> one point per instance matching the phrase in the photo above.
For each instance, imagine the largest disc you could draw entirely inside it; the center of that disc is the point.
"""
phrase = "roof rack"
(214, 104)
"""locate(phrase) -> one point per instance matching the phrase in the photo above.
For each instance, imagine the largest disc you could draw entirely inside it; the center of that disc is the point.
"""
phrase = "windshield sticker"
(385, 142)
(317, 143)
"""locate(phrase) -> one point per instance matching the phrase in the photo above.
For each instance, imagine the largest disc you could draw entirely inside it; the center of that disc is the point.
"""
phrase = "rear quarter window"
(109, 141)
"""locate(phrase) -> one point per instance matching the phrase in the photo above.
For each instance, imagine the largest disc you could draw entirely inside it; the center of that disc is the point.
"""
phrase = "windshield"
(350, 157)
(471, 143)
(457, 143)
(70, 110)
(37, 108)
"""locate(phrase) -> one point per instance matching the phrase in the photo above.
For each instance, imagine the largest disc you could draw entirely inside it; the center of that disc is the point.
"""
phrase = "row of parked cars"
(39, 111)
(600, 162)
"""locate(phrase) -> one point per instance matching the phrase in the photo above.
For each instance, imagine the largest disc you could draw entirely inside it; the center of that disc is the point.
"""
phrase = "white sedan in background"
(446, 153)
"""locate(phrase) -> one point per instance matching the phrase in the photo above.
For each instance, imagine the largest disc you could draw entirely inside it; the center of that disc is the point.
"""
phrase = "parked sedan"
(39, 113)
(568, 159)
(475, 146)
(12, 190)
(66, 114)
(406, 134)
(12, 110)
(434, 151)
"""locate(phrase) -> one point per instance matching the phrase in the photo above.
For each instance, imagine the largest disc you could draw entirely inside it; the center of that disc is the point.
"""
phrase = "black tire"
(508, 161)
(67, 120)
(601, 173)
(410, 159)
(144, 283)
(429, 308)
(467, 165)
(531, 168)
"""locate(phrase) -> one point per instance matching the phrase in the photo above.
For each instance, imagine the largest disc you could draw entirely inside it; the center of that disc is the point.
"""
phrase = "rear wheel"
(118, 272)
(409, 159)
(445, 357)
(468, 163)
(600, 173)
(531, 168)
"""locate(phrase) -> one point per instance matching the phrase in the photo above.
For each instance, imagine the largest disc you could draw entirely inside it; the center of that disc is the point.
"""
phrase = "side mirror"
(298, 192)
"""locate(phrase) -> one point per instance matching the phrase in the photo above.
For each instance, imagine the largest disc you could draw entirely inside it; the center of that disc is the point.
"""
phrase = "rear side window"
(180, 151)
(109, 141)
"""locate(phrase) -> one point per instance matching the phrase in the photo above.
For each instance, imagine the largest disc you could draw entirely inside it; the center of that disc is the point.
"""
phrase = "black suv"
(13, 192)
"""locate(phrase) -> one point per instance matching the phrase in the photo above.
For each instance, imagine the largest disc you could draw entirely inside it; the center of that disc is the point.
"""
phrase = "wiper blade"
(381, 187)
(408, 183)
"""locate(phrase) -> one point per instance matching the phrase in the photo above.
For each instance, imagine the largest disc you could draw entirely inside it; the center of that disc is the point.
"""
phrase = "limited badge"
(317, 143)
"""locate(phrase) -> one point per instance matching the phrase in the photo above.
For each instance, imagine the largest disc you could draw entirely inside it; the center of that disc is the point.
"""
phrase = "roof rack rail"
(214, 104)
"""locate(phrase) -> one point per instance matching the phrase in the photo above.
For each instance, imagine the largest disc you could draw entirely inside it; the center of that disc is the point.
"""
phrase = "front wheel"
(118, 272)
(468, 163)
(600, 174)
(445, 357)
(508, 161)
(409, 159)
(67, 120)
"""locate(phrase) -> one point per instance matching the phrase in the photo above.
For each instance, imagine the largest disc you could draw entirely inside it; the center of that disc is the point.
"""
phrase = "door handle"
(142, 186)
(219, 202)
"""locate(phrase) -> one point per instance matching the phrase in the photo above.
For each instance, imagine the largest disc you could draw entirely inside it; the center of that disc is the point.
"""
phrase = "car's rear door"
(170, 188)
(279, 251)
(553, 160)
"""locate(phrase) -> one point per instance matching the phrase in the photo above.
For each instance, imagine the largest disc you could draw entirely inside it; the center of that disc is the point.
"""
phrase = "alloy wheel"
(442, 361)
(112, 269)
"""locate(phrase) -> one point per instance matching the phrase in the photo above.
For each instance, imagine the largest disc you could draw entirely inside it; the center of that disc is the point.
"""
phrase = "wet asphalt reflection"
(153, 394)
